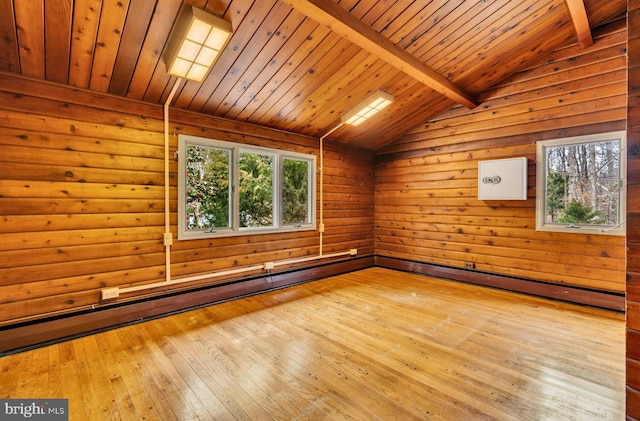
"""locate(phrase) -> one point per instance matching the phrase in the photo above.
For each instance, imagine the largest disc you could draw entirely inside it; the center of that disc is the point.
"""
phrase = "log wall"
(633, 214)
(426, 206)
(82, 199)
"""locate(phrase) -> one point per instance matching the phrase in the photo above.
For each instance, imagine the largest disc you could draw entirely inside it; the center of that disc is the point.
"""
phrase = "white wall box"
(502, 179)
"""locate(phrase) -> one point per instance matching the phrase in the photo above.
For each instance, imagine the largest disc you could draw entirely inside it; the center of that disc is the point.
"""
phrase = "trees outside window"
(256, 189)
(207, 191)
(230, 189)
(581, 184)
(295, 191)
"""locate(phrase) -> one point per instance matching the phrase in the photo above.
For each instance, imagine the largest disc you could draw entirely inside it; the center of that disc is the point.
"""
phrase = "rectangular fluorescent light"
(195, 44)
(367, 108)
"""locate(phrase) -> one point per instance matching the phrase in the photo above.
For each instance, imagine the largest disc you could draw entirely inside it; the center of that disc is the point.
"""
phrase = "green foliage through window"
(207, 201)
(295, 191)
(226, 188)
(582, 183)
(256, 190)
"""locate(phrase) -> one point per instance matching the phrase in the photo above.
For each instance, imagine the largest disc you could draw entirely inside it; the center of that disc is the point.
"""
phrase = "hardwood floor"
(370, 345)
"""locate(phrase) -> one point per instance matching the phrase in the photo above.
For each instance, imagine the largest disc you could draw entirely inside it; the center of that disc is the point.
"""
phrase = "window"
(227, 189)
(580, 184)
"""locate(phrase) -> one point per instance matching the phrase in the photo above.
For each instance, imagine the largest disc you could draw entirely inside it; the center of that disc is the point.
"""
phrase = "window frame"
(541, 185)
(234, 203)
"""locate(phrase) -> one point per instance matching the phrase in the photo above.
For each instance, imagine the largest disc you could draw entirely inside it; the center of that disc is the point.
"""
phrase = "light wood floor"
(370, 345)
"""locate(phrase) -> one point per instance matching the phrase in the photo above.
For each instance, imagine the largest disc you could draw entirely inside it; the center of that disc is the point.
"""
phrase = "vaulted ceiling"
(298, 65)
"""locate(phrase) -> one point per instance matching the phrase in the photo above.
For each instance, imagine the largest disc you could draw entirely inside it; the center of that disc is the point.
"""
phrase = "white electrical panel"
(502, 179)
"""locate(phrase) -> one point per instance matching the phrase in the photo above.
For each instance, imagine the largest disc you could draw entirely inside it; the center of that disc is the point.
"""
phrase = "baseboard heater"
(602, 299)
(40, 332)
(26, 335)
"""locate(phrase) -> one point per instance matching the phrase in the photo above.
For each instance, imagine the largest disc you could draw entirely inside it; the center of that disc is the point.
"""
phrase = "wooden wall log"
(426, 205)
(82, 199)
(633, 213)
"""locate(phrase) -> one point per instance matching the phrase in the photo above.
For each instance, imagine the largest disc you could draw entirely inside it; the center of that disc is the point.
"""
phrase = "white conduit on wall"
(264, 266)
(168, 240)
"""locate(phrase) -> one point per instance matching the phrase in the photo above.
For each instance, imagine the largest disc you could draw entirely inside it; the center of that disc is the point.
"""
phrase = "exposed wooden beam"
(578, 15)
(340, 21)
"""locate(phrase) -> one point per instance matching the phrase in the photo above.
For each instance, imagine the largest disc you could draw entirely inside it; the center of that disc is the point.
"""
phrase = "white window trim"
(541, 170)
(235, 229)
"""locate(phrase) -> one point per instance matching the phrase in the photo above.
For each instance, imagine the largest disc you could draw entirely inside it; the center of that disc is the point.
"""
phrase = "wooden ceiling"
(298, 65)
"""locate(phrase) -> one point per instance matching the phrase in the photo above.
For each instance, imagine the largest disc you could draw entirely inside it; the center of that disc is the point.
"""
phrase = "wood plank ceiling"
(286, 70)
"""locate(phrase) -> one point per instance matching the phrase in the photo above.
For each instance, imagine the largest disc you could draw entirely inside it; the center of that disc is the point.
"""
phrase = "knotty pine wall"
(82, 199)
(426, 206)
(633, 214)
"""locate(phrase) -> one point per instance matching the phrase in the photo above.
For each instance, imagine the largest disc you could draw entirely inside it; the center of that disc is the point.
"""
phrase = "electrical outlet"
(269, 265)
(110, 293)
(469, 265)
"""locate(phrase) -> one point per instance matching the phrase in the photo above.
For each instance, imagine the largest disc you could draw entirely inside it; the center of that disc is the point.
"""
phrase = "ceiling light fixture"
(195, 44)
(367, 108)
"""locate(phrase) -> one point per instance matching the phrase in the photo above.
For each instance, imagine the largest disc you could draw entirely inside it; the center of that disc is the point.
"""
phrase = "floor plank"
(374, 344)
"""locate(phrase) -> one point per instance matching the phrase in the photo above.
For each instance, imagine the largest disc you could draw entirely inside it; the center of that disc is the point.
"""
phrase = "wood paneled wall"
(82, 199)
(426, 183)
(633, 213)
